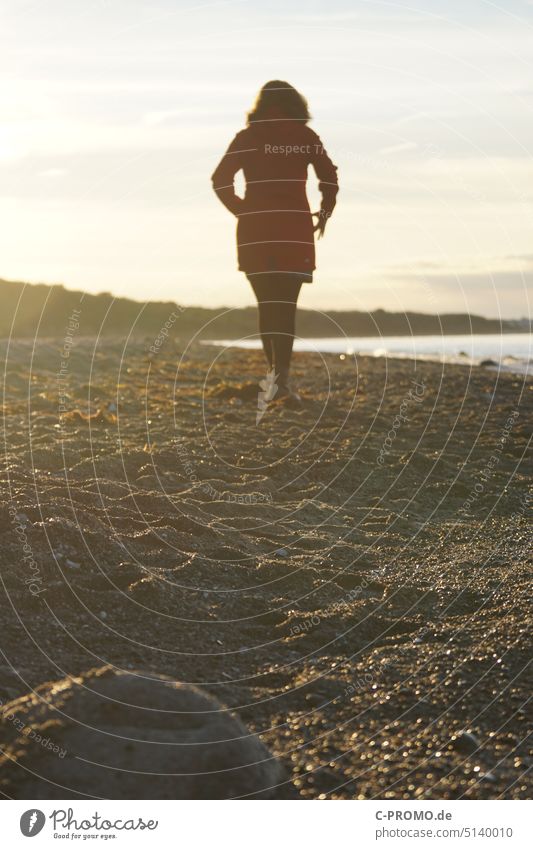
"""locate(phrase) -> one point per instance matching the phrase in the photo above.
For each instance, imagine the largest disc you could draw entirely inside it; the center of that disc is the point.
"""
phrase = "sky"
(114, 114)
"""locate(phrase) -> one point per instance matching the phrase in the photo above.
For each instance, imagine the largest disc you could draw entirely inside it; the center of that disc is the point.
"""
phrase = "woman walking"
(275, 230)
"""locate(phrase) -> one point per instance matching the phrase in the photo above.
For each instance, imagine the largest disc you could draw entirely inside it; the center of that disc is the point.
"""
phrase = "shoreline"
(518, 368)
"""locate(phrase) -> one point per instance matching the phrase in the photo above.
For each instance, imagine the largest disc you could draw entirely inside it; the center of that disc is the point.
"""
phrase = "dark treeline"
(29, 310)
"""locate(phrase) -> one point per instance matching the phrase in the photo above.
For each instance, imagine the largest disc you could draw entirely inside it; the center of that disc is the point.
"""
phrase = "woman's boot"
(285, 391)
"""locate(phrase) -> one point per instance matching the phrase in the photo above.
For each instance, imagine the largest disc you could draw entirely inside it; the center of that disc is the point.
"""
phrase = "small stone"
(282, 552)
(116, 727)
(465, 742)
(72, 564)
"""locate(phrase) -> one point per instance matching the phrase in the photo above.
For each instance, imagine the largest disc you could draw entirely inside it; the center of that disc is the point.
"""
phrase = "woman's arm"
(328, 183)
(224, 174)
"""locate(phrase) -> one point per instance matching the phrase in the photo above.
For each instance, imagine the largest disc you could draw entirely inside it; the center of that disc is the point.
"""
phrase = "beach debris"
(110, 724)
(98, 417)
(72, 564)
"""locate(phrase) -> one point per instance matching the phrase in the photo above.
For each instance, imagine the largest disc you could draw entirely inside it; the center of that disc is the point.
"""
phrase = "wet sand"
(351, 577)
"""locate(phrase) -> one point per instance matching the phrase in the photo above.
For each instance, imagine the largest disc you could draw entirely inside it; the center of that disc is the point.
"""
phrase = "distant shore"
(31, 310)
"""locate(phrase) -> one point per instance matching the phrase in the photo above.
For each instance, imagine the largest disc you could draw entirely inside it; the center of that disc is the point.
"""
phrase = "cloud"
(503, 281)
(430, 115)
(154, 118)
(398, 148)
(53, 173)
(495, 268)
(522, 259)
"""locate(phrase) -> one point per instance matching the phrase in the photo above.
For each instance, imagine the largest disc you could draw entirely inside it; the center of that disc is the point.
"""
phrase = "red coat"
(275, 227)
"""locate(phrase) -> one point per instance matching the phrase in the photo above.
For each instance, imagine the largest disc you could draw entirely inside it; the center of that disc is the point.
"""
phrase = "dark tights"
(276, 295)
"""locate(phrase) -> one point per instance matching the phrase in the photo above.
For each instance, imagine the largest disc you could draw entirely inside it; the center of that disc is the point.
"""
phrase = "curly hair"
(280, 96)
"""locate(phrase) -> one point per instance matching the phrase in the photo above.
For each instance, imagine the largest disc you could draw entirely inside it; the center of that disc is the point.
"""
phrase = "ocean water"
(509, 351)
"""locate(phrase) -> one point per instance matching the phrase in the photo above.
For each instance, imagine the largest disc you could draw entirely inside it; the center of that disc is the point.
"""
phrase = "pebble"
(72, 564)
(282, 552)
(465, 742)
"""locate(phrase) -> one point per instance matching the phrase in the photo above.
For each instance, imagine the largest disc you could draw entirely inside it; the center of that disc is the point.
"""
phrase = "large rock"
(117, 735)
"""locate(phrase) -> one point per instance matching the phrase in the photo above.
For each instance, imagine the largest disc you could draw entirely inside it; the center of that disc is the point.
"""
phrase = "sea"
(511, 352)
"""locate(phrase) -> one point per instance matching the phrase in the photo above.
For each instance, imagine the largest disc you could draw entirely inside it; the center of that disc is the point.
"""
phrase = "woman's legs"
(277, 296)
(260, 286)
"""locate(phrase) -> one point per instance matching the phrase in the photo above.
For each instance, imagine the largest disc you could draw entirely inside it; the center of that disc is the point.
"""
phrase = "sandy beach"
(350, 578)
